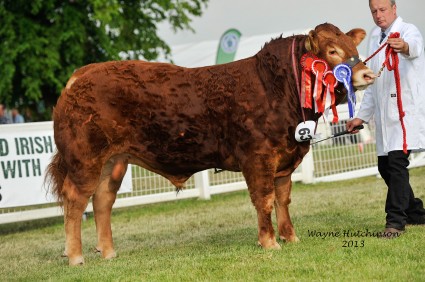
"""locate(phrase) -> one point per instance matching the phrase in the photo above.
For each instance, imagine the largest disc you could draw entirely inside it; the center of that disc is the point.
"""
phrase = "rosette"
(318, 67)
(306, 91)
(342, 73)
(330, 83)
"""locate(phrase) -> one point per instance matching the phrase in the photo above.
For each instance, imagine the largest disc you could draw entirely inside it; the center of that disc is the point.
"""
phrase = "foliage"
(44, 41)
(193, 240)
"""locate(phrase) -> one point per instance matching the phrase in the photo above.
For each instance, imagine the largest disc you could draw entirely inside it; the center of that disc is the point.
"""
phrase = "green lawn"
(195, 240)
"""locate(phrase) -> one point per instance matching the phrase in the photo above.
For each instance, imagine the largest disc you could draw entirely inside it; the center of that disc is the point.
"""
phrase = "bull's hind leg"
(259, 178)
(282, 201)
(103, 199)
(75, 204)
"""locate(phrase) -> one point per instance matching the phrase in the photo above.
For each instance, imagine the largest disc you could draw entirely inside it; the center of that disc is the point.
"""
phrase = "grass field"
(195, 240)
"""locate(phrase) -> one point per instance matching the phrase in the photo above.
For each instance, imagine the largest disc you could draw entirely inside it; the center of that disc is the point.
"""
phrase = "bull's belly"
(177, 172)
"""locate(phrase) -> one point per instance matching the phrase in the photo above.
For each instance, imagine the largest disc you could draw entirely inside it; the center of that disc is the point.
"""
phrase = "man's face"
(383, 13)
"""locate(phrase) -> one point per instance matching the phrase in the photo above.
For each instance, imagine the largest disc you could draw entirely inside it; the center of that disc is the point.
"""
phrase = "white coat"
(380, 98)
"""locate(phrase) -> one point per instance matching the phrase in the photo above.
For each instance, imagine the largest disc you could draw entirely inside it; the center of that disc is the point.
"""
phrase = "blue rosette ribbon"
(342, 73)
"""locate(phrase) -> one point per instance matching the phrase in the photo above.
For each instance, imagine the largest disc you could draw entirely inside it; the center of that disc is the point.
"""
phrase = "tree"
(43, 41)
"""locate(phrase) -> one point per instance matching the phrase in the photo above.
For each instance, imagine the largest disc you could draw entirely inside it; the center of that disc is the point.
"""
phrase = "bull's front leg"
(282, 201)
(259, 177)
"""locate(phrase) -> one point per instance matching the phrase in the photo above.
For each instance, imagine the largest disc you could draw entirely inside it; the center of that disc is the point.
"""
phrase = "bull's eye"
(332, 52)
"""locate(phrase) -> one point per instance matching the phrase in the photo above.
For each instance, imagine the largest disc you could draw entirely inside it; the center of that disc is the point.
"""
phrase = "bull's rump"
(174, 119)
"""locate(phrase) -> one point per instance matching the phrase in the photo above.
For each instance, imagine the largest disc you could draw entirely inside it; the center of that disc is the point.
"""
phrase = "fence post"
(202, 182)
(307, 167)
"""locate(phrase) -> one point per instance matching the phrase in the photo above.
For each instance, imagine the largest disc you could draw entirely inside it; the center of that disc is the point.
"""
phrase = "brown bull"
(176, 121)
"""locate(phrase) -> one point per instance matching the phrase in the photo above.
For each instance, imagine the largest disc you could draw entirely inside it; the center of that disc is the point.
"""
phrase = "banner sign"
(227, 47)
(25, 152)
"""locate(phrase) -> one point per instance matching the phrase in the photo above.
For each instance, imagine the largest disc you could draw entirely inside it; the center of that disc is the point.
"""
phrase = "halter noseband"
(353, 61)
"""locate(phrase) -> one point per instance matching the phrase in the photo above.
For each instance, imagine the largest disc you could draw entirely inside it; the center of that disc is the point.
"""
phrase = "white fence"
(344, 157)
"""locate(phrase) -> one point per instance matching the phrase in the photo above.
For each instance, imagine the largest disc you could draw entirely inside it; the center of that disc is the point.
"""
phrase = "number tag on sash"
(305, 131)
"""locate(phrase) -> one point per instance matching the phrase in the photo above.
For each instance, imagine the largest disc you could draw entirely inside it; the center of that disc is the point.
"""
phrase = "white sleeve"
(414, 38)
(367, 106)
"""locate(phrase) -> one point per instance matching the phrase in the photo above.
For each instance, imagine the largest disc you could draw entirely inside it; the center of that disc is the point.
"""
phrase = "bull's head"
(327, 42)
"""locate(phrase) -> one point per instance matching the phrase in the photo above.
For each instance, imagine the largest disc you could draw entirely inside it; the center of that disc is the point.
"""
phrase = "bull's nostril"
(369, 77)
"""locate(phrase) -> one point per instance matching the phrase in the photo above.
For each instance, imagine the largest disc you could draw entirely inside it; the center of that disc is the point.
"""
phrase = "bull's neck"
(276, 69)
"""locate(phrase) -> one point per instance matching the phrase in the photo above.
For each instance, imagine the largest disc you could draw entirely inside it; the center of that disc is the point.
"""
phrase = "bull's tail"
(55, 176)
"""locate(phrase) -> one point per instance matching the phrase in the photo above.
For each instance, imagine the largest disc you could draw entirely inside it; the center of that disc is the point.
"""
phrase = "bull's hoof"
(270, 245)
(106, 254)
(79, 260)
(109, 255)
(290, 239)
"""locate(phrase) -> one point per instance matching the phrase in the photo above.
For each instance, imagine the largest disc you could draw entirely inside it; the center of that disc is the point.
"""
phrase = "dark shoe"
(391, 233)
(417, 220)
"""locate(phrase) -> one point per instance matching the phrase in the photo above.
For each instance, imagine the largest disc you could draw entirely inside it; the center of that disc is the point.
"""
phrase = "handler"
(380, 101)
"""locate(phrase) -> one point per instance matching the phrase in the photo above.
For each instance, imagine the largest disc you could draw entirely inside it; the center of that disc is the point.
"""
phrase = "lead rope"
(390, 54)
(376, 52)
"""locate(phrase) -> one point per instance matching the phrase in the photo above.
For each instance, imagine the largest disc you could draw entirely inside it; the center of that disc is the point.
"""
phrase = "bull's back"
(154, 111)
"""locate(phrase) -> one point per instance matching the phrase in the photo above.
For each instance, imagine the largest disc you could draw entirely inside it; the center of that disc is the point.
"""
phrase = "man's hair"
(391, 1)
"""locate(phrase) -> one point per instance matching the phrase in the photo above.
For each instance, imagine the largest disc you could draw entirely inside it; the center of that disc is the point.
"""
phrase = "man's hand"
(399, 45)
(353, 123)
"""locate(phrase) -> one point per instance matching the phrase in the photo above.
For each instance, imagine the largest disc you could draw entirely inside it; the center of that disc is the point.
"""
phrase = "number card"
(305, 131)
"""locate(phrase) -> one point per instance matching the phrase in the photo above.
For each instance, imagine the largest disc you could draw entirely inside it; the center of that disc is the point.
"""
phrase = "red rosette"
(307, 60)
(330, 83)
(306, 87)
(329, 79)
(318, 68)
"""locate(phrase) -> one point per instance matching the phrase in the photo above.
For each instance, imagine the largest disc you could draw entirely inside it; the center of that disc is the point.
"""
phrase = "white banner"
(25, 152)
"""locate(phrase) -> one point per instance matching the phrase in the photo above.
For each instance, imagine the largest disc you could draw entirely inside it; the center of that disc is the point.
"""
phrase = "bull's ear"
(357, 34)
(311, 43)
